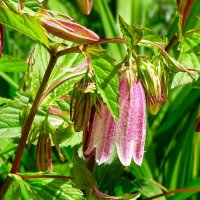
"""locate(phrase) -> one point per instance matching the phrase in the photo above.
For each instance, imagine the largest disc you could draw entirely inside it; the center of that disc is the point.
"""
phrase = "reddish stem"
(45, 176)
(94, 43)
(186, 12)
(32, 113)
(173, 192)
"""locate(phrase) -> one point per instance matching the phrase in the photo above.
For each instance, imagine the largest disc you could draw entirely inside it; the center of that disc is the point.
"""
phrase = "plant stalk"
(173, 192)
(29, 120)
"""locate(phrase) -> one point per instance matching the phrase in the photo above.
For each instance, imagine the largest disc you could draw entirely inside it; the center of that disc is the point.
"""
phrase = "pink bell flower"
(127, 134)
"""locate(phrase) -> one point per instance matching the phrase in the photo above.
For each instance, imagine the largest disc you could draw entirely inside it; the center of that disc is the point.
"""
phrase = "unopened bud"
(85, 6)
(154, 81)
(68, 30)
(44, 153)
(82, 111)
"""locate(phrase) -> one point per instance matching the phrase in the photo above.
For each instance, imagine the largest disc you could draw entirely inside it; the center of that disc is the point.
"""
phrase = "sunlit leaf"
(55, 188)
(12, 64)
(189, 57)
(24, 23)
(107, 81)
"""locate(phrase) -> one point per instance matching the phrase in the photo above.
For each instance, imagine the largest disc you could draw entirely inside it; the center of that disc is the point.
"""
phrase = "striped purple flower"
(130, 129)
(127, 134)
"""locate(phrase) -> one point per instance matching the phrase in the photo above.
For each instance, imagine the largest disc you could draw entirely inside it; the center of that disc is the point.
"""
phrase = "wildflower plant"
(74, 90)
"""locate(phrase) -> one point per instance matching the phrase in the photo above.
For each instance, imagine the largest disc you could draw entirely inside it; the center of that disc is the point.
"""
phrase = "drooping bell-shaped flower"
(102, 138)
(127, 134)
(130, 130)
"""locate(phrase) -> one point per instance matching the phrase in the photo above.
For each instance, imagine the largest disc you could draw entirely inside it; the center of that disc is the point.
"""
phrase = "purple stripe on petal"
(139, 103)
(105, 145)
(125, 128)
(102, 135)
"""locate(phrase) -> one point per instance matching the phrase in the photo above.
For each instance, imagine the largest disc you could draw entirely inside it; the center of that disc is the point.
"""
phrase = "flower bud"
(87, 135)
(68, 30)
(44, 153)
(85, 6)
(153, 79)
(82, 111)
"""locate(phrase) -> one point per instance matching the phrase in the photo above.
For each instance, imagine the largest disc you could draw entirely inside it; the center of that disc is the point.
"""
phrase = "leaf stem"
(45, 176)
(175, 38)
(99, 42)
(31, 115)
(173, 192)
(29, 120)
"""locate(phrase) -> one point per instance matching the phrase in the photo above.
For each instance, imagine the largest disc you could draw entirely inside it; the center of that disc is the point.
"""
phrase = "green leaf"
(12, 64)
(19, 189)
(24, 23)
(55, 188)
(65, 71)
(40, 59)
(189, 57)
(107, 81)
(83, 177)
(134, 34)
(10, 126)
(131, 34)
(148, 188)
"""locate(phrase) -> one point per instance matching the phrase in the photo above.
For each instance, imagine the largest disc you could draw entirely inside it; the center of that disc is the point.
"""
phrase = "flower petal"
(139, 104)
(102, 136)
(125, 125)
(131, 126)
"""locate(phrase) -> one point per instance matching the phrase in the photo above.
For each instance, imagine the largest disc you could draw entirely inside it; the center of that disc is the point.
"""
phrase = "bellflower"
(127, 134)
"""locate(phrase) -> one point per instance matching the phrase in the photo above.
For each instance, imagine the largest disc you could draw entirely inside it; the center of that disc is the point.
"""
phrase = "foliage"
(44, 79)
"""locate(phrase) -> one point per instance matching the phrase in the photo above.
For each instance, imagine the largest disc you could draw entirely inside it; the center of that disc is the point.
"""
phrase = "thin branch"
(173, 192)
(45, 176)
(56, 84)
(99, 42)
(186, 12)
(175, 38)
(31, 115)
